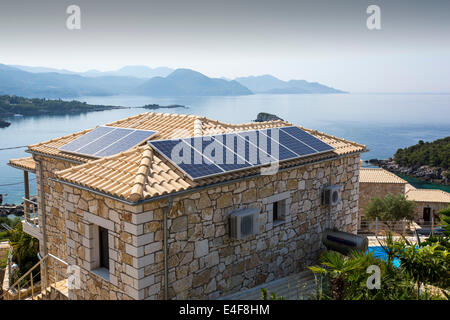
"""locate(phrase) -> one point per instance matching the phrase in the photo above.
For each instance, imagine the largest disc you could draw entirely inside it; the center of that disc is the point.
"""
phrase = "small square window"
(278, 211)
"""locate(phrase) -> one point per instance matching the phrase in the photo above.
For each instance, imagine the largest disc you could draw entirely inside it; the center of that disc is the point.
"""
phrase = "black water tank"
(344, 242)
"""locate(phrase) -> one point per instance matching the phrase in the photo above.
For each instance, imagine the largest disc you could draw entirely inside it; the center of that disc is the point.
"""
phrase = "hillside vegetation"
(11, 105)
(434, 154)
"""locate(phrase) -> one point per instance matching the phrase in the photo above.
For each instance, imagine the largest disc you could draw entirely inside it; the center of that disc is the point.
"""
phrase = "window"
(103, 247)
(278, 211)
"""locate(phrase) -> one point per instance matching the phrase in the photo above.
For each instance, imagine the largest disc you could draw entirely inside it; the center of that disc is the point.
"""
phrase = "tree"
(426, 265)
(444, 214)
(25, 249)
(391, 208)
(337, 267)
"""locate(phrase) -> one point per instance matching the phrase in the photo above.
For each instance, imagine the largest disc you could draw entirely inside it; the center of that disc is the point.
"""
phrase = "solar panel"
(206, 156)
(230, 159)
(277, 147)
(181, 153)
(105, 141)
(307, 138)
(127, 142)
(86, 138)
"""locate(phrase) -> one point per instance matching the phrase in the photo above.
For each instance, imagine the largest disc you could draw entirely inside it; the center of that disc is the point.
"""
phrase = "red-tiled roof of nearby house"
(140, 173)
(428, 195)
(378, 175)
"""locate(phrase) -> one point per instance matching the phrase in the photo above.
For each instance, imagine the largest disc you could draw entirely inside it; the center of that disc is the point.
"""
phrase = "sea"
(383, 122)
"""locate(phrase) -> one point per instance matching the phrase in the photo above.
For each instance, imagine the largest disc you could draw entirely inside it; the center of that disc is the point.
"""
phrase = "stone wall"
(434, 206)
(368, 191)
(84, 212)
(203, 262)
(54, 202)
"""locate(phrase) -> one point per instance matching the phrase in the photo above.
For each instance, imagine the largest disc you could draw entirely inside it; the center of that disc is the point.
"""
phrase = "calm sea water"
(383, 122)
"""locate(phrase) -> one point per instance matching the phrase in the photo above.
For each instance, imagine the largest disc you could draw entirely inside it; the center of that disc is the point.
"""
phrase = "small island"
(264, 116)
(4, 124)
(14, 105)
(428, 161)
(157, 106)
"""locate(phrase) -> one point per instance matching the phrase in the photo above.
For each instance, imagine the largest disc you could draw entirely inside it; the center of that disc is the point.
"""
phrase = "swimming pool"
(378, 252)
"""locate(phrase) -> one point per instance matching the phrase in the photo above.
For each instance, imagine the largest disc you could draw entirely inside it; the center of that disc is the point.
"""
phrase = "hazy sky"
(325, 41)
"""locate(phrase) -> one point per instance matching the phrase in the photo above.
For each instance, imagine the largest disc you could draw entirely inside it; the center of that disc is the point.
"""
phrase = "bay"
(383, 122)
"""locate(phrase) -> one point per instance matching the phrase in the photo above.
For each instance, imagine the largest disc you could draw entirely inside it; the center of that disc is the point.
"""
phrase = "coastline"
(425, 176)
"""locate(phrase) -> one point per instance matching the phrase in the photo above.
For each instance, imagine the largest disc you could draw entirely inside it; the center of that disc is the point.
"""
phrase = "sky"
(325, 41)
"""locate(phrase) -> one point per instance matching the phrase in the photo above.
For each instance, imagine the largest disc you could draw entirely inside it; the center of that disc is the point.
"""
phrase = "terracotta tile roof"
(27, 164)
(168, 126)
(428, 195)
(140, 173)
(132, 175)
(378, 175)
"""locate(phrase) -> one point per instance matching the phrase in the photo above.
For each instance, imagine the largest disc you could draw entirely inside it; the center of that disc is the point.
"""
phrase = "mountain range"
(270, 84)
(41, 82)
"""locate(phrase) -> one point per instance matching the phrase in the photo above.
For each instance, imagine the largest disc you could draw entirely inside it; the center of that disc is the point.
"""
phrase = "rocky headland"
(425, 173)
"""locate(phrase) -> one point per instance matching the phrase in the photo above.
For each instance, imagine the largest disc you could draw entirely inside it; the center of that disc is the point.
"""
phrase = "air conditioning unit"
(331, 195)
(244, 223)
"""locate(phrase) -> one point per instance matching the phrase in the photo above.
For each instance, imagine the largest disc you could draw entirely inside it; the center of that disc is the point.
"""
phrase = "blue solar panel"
(201, 157)
(181, 153)
(105, 141)
(132, 139)
(102, 142)
(229, 145)
(277, 147)
(307, 138)
(86, 138)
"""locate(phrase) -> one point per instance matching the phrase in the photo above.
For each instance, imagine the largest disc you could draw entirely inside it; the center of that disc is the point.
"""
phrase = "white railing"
(29, 286)
(403, 227)
(31, 216)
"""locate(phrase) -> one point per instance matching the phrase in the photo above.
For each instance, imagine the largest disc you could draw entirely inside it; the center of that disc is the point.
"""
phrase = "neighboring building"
(139, 228)
(428, 203)
(377, 182)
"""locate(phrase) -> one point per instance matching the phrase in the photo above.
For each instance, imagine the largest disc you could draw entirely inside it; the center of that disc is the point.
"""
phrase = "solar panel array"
(206, 156)
(105, 141)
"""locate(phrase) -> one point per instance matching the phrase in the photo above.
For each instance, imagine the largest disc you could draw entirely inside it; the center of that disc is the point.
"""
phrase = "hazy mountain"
(261, 83)
(270, 84)
(131, 71)
(185, 82)
(127, 71)
(14, 81)
(40, 82)
(42, 69)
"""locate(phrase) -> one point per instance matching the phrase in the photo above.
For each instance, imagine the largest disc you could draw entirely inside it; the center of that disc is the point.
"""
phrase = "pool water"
(378, 252)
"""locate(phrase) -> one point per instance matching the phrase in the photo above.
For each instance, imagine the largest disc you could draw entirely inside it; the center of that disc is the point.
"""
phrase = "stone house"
(377, 182)
(428, 203)
(138, 228)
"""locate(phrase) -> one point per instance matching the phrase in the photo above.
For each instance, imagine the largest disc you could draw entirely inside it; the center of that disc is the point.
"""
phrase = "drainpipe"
(166, 251)
(42, 222)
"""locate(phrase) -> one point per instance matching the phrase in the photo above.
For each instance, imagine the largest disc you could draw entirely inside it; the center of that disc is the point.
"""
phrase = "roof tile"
(428, 195)
(139, 173)
(378, 175)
